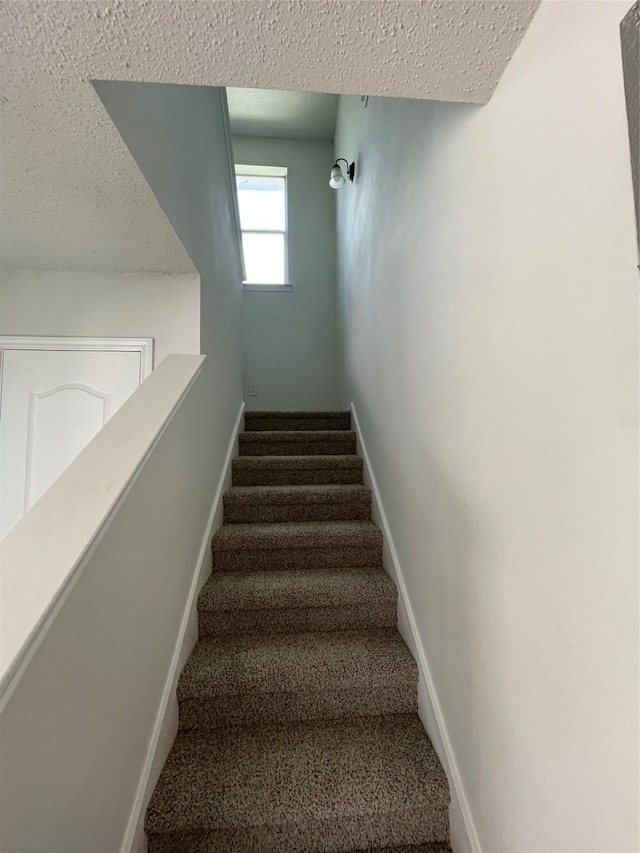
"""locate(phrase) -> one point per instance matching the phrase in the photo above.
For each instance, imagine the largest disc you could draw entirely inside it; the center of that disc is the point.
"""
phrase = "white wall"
(88, 304)
(76, 723)
(489, 321)
(289, 338)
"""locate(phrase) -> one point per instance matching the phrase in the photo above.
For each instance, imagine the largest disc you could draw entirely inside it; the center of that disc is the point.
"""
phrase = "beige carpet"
(298, 725)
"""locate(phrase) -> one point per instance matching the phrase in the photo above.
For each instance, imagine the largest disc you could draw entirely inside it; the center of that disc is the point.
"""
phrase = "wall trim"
(133, 838)
(455, 779)
(226, 127)
(144, 346)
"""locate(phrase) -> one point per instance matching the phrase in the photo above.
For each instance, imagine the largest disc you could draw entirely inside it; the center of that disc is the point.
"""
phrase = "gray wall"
(176, 135)
(488, 303)
(289, 338)
(630, 36)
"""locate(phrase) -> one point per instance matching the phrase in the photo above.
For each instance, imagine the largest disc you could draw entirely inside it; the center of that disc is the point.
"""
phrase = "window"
(262, 201)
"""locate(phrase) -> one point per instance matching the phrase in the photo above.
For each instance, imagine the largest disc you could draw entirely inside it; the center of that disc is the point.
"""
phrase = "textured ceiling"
(72, 196)
(283, 115)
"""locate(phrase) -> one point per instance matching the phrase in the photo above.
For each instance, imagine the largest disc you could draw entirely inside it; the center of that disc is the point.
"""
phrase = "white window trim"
(268, 172)
(271, 287)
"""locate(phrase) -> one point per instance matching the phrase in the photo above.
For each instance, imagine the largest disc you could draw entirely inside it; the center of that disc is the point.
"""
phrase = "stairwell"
(298, 727)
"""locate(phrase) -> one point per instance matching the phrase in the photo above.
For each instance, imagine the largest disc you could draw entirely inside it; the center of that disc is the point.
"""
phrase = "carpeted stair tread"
(434, 847)
(254, 421)
(309, 588)
(303, 436)
(288, 677)
(281, 495)
(295, 470)
(288, 662)
(296, 534)
(296, 545)
(249, 504)
(304, 462)
(272, 602)
(297, 442)
(330, 786)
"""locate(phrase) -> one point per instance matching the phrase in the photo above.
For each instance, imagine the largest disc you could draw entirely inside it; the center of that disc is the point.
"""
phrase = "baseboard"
(464, 836)
(166, 723)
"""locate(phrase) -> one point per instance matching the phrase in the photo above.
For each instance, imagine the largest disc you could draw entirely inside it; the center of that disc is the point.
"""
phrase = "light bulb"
(337, 179)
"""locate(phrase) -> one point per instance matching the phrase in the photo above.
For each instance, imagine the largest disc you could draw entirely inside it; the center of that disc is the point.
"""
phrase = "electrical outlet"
(253, 389)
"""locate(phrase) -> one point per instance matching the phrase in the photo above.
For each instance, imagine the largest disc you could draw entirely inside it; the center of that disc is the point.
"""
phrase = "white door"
(53, 401)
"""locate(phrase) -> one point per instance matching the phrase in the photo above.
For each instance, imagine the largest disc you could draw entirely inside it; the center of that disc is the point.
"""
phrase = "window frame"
(253, 171)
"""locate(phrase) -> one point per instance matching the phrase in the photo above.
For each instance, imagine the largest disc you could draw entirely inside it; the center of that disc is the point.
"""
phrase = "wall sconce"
(337, 178)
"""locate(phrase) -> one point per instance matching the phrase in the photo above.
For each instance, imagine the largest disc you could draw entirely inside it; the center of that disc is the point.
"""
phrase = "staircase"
(298, 730)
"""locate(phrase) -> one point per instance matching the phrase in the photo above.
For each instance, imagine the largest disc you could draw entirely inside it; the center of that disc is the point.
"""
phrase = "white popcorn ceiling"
(72, 195)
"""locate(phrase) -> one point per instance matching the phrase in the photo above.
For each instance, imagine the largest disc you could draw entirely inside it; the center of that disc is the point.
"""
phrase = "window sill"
(265, 287)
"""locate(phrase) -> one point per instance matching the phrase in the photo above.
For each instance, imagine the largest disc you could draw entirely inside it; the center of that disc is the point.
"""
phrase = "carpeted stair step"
(297, 725)
(240, 681)
(248, 504)
(295, 470)
(297, 443)
(297, 545)
(435, 847)
(270, 421)
(250, 603)
(337, 786)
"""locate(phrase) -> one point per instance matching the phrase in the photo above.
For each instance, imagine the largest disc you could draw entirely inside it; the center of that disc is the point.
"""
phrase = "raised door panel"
(53, 404)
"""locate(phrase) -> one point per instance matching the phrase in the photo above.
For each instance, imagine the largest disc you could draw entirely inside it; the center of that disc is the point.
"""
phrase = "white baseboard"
(464, 837)
(166, 723)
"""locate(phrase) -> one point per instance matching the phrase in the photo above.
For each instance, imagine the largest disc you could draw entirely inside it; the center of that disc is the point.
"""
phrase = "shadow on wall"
(448, 519)
(630, 37)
